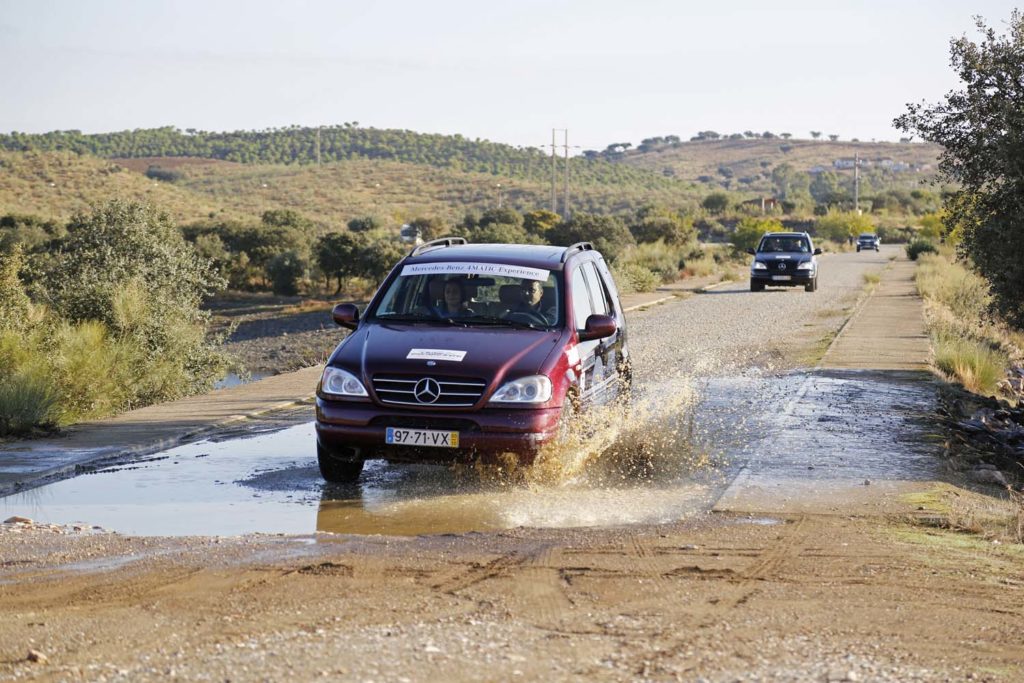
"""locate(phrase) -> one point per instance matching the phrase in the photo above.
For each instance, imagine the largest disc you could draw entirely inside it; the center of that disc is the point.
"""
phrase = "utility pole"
(565, 208)
(856, 182)
(554, 201)
(318, 146)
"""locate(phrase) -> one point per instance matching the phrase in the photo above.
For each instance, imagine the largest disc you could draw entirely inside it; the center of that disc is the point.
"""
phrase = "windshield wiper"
(505, 322)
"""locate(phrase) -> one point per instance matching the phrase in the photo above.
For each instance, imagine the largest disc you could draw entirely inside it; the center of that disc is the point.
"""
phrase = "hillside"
(754, 159)
(56, 184)
(400, 175)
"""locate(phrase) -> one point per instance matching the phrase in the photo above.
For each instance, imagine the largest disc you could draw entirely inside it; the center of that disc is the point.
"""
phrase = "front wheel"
(339, 466)
(756, 286)
(811, 286)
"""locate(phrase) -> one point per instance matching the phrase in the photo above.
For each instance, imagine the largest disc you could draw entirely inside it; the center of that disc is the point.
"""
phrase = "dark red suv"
(471, 350)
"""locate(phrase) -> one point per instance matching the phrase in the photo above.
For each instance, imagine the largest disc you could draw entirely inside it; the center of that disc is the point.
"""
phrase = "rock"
(37, 657)
(17, 520)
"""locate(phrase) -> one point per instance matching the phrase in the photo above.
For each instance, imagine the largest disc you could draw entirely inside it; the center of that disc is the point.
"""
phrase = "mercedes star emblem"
(427, 390)
(782, 266)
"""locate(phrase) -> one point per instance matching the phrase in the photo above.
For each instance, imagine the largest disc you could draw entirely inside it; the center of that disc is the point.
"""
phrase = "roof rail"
(573, 248)
(437, 244)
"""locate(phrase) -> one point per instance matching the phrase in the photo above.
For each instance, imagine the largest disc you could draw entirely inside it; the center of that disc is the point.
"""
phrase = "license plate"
(782, 277)
(429, 438)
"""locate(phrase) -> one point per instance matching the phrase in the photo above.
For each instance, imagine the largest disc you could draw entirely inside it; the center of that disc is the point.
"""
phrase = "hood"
(488, 353)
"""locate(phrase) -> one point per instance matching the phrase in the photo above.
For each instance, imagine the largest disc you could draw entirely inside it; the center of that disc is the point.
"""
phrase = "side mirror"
(598, 327)
(750, 250)
(346, 315)
(817, 252)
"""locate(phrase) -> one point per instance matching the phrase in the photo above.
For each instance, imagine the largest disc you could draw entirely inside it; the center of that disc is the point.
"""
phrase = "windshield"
(785, 243)
(473, 294)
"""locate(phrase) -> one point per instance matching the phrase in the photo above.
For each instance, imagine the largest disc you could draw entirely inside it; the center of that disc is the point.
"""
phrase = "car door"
(583, 308)
(608, 351)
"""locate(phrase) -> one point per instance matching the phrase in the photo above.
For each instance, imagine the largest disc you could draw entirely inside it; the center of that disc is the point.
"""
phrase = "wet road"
(706, 418)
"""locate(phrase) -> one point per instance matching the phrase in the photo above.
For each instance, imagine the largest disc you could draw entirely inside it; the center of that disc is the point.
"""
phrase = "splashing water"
(647, 434)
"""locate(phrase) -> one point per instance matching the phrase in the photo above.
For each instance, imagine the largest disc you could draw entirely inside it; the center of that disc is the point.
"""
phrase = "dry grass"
(971, 347)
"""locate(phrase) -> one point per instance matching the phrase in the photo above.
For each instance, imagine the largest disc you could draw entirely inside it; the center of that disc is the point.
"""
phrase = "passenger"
(454, 303)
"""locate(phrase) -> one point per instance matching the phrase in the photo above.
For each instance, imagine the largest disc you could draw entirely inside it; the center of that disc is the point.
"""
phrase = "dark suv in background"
(784, 259)
(868, 241)
(471, 349)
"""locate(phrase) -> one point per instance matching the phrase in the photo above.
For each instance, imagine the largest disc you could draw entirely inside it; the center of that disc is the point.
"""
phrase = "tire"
(339, 467)
(858, 250)
(812, 286)
(756, 286)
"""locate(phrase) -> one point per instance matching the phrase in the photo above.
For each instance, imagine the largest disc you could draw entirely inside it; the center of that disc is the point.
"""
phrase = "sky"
(508, 72)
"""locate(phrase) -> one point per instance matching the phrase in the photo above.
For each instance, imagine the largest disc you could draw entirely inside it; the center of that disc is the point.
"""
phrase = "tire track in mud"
(532, 577)
(731, 590)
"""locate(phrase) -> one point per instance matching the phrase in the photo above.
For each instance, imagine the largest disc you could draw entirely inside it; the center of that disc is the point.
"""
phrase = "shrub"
(633, 277)
(168, 175)
(840, 226)
(975, 365)
(27, 402)
(918, 247)
(664, 261)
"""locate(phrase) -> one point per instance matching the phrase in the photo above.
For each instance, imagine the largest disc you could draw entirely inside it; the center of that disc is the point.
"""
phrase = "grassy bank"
(970, 345)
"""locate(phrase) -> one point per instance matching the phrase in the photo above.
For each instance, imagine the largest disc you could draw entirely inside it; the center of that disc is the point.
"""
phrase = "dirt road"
(806, 571)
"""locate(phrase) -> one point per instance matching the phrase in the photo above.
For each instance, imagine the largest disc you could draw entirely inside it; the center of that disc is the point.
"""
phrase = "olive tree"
(981, 129)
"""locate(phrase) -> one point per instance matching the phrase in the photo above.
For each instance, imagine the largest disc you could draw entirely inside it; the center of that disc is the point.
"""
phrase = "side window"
(581, 305)
(597, 294)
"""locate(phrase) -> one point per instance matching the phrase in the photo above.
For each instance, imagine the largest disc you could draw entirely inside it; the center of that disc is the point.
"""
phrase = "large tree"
(981, 129)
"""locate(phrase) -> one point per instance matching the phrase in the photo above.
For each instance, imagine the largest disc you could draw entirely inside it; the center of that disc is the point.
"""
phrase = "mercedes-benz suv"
(471, 350)
(868, 241)
(784, 259)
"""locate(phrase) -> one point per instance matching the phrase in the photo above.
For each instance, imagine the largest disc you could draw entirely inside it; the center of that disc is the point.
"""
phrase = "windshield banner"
(469, 268)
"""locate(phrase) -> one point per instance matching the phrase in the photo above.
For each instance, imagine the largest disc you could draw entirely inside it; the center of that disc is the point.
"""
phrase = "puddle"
(233, 379)
(669, 460)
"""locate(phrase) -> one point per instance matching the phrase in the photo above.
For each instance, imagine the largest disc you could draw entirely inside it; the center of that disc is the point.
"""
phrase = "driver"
(532, 300)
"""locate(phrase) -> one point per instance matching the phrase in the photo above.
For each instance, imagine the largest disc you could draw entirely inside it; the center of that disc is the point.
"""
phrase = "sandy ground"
(869, 590)
(802, 598)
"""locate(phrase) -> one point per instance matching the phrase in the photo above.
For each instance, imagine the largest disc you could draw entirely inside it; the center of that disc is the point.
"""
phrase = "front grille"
(452, 392)
(773, 266)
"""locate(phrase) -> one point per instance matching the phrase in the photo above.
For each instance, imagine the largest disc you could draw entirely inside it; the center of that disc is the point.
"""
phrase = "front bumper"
(796, 277)
(490, 431)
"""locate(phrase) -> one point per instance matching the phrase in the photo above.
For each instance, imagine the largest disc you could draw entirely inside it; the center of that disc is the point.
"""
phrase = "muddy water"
(667, 457)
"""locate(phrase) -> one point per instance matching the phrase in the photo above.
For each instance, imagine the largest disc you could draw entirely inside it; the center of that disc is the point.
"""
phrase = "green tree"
(791, 184)
(749, 231)
(608, 233)
(376, 258)
(286, 270)
(981, 129)
(716, 202)
(540, 222)
(336, 254)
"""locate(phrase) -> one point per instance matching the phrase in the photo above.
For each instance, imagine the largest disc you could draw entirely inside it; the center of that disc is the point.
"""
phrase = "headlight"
(806, 265)
(341, 384)
(535, 389)
(759, 266)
